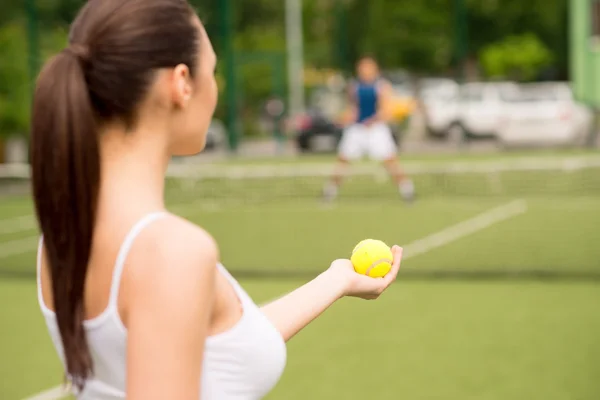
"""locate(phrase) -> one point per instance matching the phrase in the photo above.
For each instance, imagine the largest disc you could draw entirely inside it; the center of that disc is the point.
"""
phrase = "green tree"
(14, 80)
(414, 35)
(491, 21)
(407, 34)
(519, 57)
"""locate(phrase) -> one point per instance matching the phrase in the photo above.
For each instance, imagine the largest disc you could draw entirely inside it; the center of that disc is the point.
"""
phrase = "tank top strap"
(124, 252)
(242, 295)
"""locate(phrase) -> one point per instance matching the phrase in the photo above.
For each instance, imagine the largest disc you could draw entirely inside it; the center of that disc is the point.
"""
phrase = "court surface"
(497, 298)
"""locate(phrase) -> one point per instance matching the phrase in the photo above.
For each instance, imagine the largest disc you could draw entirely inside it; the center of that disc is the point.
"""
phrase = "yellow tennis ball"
(372, 258)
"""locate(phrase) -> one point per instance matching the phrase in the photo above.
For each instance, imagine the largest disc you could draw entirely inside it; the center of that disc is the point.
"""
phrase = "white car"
(460, 111)
(439, 98)
(543, 114)
(583, 116)
(481, 107)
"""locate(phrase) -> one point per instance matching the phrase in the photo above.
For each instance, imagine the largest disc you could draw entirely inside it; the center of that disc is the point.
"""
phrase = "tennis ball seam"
(364, 242)
(376, 263)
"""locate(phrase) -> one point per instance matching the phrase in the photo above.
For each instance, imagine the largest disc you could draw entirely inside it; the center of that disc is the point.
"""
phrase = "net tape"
(291, 170)
(323, 170)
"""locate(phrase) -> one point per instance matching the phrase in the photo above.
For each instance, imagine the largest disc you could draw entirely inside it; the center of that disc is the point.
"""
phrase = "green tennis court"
(495, 331)
(422, 340)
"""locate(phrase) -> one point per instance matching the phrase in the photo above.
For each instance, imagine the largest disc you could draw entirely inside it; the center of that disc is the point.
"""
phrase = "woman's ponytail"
(65, 164)
(117, 46)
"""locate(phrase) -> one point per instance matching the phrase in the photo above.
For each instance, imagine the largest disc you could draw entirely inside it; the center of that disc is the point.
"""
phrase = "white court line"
(17, 224)
(55, 393)
(29, 243)
(17, 247)
(421, 246)
(465, 228)
(20, 224)
(447, 235)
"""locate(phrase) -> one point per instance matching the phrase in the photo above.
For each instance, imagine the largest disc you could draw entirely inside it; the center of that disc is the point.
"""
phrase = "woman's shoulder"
(175, 243)
(170, 278)
(184, 232)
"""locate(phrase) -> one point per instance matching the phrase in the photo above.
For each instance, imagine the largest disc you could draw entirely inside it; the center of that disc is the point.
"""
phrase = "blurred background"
(495, 114)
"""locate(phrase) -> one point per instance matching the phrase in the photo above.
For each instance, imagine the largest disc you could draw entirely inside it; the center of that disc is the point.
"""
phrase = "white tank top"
(243, 363)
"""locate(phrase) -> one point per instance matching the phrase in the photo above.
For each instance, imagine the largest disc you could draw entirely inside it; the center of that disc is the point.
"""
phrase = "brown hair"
(115, 48)
(367, 57)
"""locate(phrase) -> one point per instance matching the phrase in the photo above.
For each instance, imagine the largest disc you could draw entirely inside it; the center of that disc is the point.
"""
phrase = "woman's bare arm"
(297, 309)
(169, 304)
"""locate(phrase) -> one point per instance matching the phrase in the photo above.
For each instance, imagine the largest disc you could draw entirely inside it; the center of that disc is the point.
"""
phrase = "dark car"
(317, 133)
(216, 136)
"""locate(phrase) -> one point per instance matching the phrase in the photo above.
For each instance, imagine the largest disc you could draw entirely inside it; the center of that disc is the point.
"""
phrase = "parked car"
(439, 100)
(583, 116)
(316, 133)
(480, 109)
(216, 136)
(543, 114)
(458, 112)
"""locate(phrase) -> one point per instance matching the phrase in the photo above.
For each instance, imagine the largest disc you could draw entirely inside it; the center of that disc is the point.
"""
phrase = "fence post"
(33, 41)
(460, 38)
(231, 118)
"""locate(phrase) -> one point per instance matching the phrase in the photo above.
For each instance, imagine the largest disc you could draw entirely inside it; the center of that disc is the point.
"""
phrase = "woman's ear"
(182, 89)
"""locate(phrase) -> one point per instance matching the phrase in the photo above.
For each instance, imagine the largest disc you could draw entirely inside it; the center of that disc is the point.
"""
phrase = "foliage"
(404, 34)
(14, 80)
(16, 84)
(409, 34)
(519, 58)
(491, 21)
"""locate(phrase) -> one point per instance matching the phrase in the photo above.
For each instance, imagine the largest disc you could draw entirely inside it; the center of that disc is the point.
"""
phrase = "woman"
(134, 297)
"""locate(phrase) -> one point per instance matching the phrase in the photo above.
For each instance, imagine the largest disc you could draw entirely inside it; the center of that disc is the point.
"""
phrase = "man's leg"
(383, 148)
(350, 148)
(405, 184)
(331, 189)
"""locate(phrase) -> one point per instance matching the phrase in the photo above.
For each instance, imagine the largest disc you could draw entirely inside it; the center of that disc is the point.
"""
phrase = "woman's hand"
(357, 285)
(297, 309)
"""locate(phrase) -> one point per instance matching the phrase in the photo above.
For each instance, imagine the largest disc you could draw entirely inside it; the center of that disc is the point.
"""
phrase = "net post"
(226, 17)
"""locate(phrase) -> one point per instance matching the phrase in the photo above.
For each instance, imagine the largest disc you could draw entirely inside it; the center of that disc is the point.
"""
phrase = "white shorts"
(375, 141)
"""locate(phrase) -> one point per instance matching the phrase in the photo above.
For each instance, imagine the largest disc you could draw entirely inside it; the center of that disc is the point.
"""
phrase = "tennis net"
(288, 183)
(251, 184)
(518, 217)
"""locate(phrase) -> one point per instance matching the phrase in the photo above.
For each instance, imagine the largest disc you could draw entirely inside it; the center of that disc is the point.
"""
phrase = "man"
(368, 132)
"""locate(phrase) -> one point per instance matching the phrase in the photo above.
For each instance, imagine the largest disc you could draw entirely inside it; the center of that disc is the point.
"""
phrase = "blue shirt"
(367, 99)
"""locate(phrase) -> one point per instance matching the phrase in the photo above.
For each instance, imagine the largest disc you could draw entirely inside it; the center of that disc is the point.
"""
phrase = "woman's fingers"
(391, 276)
(371, 288)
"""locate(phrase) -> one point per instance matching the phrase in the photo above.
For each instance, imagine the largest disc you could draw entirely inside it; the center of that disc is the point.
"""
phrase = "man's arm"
(351, 113)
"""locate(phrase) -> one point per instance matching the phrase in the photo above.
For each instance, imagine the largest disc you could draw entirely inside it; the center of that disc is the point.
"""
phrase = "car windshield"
(438, 94)
(529, 96)
(472, 93)
(402, 90)
(438, 90)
